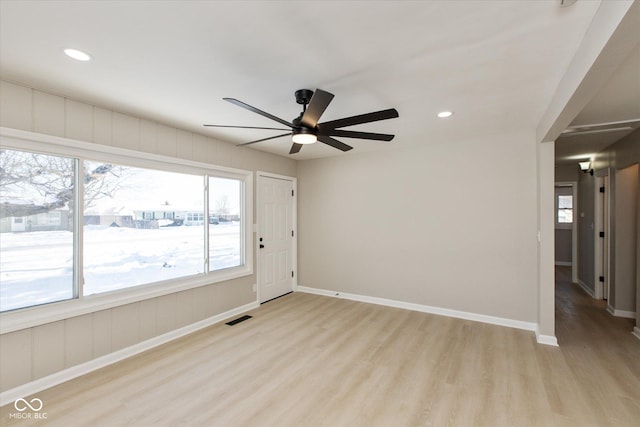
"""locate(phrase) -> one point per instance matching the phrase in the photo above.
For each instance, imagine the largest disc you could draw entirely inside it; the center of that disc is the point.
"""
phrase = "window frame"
(557, 194)
(558, 209)
(46, 144)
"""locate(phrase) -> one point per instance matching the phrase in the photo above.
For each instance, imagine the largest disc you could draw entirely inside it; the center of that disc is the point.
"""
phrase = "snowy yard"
(37, 267)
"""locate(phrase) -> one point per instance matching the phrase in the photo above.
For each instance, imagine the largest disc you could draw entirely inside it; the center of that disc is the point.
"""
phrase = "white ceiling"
(495, 63)
(618, 100)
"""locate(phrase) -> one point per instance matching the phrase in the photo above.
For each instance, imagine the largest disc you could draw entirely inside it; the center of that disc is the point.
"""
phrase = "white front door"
(276, 230)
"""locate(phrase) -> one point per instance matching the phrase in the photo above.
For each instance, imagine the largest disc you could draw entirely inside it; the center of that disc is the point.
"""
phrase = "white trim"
(20, 139)
(294, 225)
(52, 380)
(27, 317)
(636, 332)
(546, 339)
(585, 288)
(564, 263)
(621, 313)
(483, 318)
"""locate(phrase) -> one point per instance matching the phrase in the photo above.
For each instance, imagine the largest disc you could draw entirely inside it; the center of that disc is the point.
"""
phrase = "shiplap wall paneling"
(78, 340)
(16, 351)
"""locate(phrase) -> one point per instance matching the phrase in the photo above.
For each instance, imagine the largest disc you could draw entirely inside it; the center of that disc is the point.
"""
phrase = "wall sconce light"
(586, 167)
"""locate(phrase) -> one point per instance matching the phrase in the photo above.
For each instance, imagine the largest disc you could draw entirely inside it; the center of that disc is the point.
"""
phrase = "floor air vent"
(238, 320)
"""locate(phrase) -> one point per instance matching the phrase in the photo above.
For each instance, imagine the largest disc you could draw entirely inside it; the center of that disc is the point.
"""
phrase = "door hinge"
(291, 233)
(602, 189)
(602, 234)
(292, 193)
(291, 273)
(601, 278)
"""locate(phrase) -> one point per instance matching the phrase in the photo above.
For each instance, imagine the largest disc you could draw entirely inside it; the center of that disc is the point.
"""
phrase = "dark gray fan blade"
(359, 135)
(258, 111)
(295, 148)
(319, 102)
(362, 118)
(264, 139)
(334, 143)
(242, 127)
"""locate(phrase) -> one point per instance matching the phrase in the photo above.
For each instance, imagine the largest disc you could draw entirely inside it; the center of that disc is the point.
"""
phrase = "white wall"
(34, 353)
(626, 218)
(450, 224)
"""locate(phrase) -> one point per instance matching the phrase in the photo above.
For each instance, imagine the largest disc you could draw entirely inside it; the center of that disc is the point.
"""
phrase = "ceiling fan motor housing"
(303, 96)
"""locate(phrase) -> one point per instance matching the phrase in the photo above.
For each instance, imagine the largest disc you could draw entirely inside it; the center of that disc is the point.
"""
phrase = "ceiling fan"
(305, 128)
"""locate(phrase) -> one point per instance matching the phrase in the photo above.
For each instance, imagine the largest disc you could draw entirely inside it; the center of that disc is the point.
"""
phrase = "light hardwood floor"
(311, 360)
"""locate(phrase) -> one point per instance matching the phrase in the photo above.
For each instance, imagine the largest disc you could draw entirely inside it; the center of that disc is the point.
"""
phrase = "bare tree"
(33, 183)
(222, 205)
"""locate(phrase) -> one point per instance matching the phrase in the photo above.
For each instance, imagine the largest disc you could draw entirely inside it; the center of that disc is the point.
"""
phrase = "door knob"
(261, 246)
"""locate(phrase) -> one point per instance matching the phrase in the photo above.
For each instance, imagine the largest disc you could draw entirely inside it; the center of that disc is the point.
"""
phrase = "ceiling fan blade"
(295, 148)
(334, 143)
(242, 127)
(319, 102)
(258, 111)
(362, 118)
(359, 135)
(264, 139)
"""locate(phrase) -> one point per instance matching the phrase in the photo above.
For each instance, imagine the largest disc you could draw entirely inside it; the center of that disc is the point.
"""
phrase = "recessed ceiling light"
(445, 114)
(77, 54)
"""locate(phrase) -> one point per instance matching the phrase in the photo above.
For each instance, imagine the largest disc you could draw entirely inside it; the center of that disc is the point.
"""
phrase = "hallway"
(581, 320)
(601, 358)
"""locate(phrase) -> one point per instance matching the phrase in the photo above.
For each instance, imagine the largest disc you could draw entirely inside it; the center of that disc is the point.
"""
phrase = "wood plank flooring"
(307, 360)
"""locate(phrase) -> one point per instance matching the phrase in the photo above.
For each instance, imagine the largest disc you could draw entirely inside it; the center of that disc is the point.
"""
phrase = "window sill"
(30, 317)
(564, 226)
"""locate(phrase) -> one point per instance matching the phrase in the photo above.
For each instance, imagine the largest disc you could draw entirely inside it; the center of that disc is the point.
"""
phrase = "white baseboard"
(636, 332)
(621, 313)
(564, 263)
(546, 339)
(586, 288)
(52, 380)
(483, 318)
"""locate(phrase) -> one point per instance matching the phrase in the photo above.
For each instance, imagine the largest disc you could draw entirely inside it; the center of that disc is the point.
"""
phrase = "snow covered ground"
(37, 267)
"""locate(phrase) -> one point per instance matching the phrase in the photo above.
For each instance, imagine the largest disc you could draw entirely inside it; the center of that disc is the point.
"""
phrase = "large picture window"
(36, 229)
(140, 226)
(75, 225)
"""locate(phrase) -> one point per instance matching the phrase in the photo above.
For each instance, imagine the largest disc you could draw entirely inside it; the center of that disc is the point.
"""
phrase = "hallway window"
(565, 209)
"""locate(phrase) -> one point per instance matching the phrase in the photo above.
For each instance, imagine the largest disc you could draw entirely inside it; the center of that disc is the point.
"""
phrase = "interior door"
(275, 237)
(605, 239)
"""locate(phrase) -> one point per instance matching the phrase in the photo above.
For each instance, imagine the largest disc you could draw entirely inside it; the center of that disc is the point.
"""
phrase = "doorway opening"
(566, 233)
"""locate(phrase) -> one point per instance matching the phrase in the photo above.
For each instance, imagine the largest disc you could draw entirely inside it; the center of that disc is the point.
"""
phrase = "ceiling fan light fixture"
(584, 166)
(304, 138)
